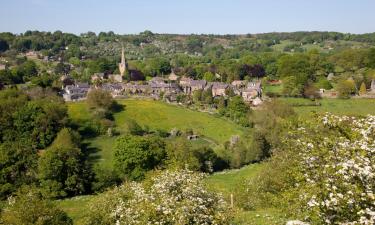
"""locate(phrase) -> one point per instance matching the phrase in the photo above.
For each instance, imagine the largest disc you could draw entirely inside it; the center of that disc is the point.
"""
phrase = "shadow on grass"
(90, 153)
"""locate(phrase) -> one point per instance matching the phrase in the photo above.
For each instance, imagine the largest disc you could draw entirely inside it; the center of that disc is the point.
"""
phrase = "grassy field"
(351, 107)
(159, 115)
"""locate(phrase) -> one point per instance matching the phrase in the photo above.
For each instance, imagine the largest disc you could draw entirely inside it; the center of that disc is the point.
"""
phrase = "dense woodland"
(157, 174)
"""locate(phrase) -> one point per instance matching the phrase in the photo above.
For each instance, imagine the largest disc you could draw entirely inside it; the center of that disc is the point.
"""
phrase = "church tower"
(122, 66)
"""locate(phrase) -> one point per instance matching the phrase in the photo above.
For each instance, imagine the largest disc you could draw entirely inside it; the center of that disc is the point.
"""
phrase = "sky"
(188, 16)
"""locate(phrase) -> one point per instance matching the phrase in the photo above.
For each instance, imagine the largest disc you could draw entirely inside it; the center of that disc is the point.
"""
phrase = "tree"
(209, 76)
(297, 66)
(362, 89)
(39, 121)
(237, 110)
(135, 155)
(257, 71)
(61, 169)
(345, 88)
(3, 45)
(62, 68)
(101, 102)
(28, 208)
(291, 87)
(17, 166)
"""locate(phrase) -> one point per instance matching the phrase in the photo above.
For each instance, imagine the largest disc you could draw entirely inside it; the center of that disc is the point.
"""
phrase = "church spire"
(122, 65)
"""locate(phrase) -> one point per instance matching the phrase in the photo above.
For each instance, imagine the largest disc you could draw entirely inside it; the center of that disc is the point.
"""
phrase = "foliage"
(61, 168)
(39, 121)
(28, 207)
(345, 88)
(101, 102)
(168, 198)
(135, 155)
(323, 172)
(362, 89)
(18, 165)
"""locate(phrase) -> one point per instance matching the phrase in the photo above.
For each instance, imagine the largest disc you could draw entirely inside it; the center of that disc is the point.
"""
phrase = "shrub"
(324, 172)
(28, 207)
(168, 198)
(135, 155)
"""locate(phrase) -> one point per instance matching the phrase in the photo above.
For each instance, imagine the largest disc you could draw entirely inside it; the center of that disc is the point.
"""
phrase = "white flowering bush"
(172, 197)
(338, 167)
(324, 173)
(336, 179)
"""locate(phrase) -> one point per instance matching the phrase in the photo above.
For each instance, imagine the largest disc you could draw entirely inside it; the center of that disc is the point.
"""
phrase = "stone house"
(158, 88)
(253, 90)
(218, 88)
(115, 78)
(136, 88)
(173, 77)
(98, 77)
(76, 92)
(185, 81)
(114, 89)
(190, 86)
(239, 83)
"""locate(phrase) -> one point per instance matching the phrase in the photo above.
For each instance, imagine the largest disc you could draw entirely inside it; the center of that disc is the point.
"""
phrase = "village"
(161, 88)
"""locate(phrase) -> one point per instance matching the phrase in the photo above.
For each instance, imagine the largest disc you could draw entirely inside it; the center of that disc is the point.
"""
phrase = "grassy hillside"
(159, 115)
(155, 115)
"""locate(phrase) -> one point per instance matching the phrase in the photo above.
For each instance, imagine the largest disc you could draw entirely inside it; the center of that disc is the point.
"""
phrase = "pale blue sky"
(188, 16)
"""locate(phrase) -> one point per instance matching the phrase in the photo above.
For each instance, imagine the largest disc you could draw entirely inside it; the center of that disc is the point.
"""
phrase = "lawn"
(350, 107)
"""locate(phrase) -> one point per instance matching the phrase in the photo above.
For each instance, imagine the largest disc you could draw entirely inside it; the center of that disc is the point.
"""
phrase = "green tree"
(345, 88)
(18, 164)
(3, 45)
(101, 102)
(209, 76)
(61, 169)
(135, 155)
(291, 87)
(39, 121)
(362, 89)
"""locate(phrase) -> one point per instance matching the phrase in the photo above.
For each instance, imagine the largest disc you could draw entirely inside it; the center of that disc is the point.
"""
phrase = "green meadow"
(350, 107)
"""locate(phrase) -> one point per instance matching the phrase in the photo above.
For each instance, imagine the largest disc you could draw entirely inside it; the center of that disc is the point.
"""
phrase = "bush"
(168, 198)
(323, 172)
(28, 207)
(345, 88)
(135, 155)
